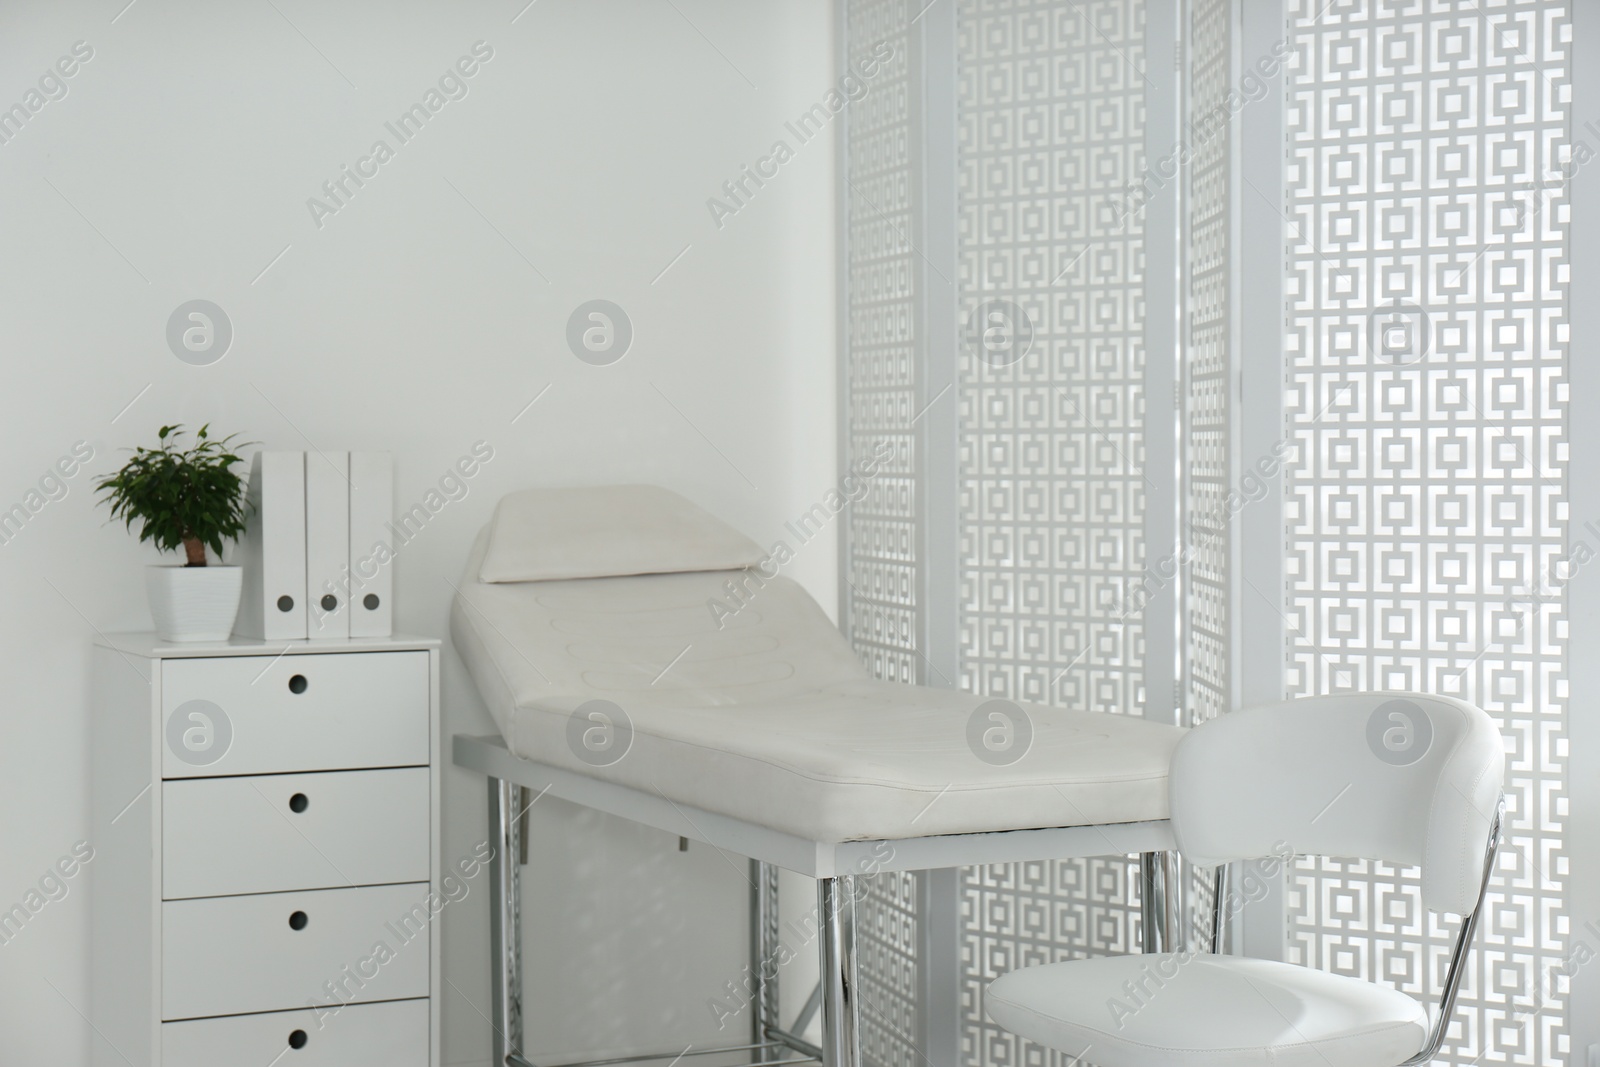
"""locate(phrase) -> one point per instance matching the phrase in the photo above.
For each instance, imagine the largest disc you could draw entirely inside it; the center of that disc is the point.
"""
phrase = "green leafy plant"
(182, 498)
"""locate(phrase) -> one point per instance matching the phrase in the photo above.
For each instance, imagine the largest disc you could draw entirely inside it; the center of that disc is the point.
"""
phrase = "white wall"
(178, 165)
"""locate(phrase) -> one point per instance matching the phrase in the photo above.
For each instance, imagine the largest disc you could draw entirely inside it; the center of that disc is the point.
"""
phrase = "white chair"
(1410, 780)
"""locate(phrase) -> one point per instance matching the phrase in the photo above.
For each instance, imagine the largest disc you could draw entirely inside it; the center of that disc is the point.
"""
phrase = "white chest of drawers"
(267, 870)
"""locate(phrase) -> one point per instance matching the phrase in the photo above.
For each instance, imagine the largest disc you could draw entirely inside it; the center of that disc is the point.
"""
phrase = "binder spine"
(369, 573)
(272, 551)
(327, 544)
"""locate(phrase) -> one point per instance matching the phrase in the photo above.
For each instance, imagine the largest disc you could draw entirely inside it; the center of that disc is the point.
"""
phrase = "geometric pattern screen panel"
(1051, 364)
(1050, 128)
(880, 559)
(880, 368)
(1209, 498)
(1427, 412)
(886, 952)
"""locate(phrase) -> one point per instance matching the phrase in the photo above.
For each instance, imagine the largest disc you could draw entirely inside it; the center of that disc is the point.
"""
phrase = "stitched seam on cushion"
(471, 609)
(879, 783)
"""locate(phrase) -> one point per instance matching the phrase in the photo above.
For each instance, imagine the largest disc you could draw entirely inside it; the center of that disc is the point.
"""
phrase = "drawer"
(363, 1035)
(294, 831)
(328, 711)
(228, 955)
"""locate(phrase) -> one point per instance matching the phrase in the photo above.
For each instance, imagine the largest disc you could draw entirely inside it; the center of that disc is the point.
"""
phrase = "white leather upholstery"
(1207, 1011)
(607, 530)
(1316, 775)
(766, 714)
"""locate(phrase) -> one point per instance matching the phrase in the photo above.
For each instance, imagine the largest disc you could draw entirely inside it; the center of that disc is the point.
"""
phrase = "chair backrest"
(1399, 777)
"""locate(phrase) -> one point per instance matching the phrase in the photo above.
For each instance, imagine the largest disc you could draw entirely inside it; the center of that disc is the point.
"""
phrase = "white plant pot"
(194, 603)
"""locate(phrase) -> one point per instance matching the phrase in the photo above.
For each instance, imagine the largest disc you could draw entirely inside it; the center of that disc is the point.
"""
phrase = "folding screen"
(970, 562)
(1073, 177)
(1206, 359)
(1052, 406)
(1427, 495)
(882, 378)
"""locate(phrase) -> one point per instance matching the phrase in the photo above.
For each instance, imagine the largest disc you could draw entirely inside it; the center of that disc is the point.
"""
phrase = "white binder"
(327, 544)
(272, 551)
(371, 556)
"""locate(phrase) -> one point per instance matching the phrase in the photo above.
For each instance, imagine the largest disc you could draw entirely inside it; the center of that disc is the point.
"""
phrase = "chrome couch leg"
(763, 956)
(505, 921)
(841, 1008)
(1160, 902)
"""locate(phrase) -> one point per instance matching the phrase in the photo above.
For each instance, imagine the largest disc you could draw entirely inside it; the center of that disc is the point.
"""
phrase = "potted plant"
(190, 499)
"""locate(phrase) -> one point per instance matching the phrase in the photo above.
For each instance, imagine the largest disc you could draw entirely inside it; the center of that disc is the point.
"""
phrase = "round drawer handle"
(329, 602)
(286, 603)
(298, 803)
(370, 601)
(298, 920)
(297, 1039)
(298, 684)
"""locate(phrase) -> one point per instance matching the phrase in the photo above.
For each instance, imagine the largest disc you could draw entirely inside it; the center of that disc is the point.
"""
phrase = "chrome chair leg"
(841, 1008)
(1160, 897)
(505, 923)
(1221, 881)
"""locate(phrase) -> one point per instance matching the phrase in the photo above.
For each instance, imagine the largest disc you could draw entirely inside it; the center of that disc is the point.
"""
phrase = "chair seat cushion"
(1207, 1011)
(760, 710)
